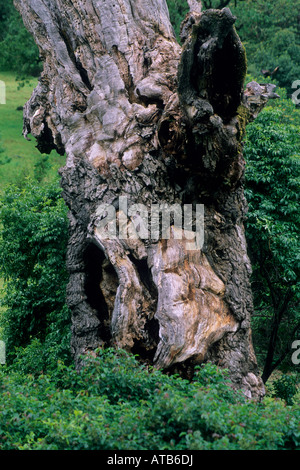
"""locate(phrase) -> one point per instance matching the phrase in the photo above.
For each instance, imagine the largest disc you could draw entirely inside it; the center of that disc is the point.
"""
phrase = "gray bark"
(137, 115)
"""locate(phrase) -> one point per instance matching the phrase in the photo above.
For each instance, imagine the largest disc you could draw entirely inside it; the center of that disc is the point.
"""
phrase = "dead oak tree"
(144, 120)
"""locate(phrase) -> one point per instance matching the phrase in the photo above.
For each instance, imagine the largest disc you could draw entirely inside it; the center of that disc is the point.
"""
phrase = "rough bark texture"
(137, 115)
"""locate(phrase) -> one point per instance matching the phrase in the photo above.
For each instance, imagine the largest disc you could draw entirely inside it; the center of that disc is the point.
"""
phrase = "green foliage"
(18, 52)
(283, 51)
(41, 168)
(32, 256)
(272, 190)
(177, 9)
(270, 32)
(5, 11)
(103, 408)
(286, 388)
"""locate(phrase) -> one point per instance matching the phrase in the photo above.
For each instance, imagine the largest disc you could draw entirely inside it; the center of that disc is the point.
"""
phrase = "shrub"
(103, 408)
(33, 241)
(286, 387)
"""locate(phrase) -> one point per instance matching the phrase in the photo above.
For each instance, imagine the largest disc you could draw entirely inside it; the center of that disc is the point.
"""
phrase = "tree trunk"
(143, 120)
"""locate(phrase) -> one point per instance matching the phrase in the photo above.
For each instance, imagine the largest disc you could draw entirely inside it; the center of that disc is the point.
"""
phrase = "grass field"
(19, 156)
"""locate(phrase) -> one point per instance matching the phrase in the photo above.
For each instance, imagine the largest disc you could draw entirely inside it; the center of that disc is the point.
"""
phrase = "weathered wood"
(141, 117)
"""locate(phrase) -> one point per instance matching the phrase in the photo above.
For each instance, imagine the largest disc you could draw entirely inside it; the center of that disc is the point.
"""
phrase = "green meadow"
(20, 158)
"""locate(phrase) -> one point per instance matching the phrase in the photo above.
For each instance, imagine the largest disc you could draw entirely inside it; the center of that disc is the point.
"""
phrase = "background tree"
(272, 189)
(18, 51)
(270, 32)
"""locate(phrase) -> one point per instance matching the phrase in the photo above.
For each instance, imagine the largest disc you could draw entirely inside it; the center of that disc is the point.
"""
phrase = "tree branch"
(284, 354)
(278, 315)
(222, 4)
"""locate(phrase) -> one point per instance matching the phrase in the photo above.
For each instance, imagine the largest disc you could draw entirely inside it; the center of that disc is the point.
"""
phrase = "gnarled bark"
(141, 117)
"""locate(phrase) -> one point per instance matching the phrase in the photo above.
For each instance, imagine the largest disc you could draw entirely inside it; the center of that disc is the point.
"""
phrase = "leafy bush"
(102, 407)
(286, 388)
(33, 241)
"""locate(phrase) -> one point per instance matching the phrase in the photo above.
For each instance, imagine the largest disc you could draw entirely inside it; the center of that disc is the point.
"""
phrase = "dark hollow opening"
(145, 276)
(228, 76)
(93, 259)
(146, 348)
